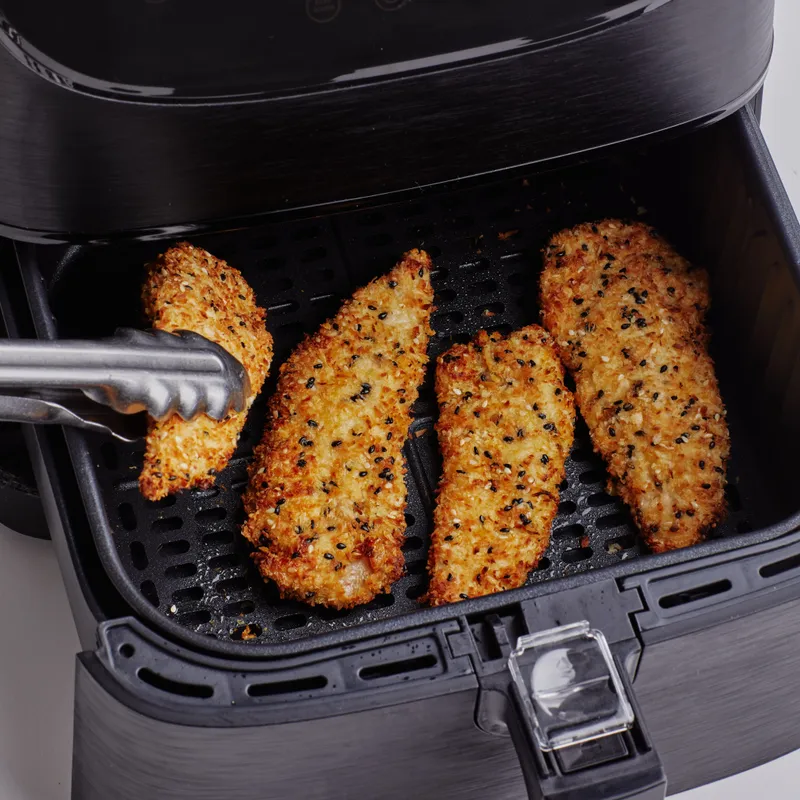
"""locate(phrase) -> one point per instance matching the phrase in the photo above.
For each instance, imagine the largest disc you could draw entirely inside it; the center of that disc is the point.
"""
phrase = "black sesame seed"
(392, 284)
(625, 326)
(508, 438)
(612, 432)
(309, 383)
(336, 442)
(365, 388)
(712, 445)
(706, 485)
(389, 435)
(383, 315)
(549, 426)
(449, 537)
(544, 459)
(301, 462)
(627, 407)
(312, 423)
(306, 442)
(372, 308)
(600, 394)
(362, 473)
(702, 465)
(577, 300)
(329, 556)
(643, 363)
(655, 395)
(695, 427)
(464, 596)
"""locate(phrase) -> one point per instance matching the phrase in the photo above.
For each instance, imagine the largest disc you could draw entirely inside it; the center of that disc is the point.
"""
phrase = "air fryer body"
(348, 125)
(82, 161)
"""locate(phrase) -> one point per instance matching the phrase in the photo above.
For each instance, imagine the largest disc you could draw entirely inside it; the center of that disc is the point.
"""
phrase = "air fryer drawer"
(181, 570)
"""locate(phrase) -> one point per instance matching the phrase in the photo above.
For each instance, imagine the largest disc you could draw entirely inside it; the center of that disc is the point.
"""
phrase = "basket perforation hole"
(209, 515)
(379, 239)
(325, 275)
(518, 279)
(620, 543)
(490, 310)
(410, 520)
(218, 538)
(164, 502)
(174, 548)
(576, 555)
(415, 568)
(414, 592)
(592, 476)
(110, 456)
(374, 218)
(566, 507)
(185, 570)
(189, 594)
(380, 601)
(444, 296)
(281, 284)
(127, 516)
(231, 585)
(291, 622)
(139, 555)
(127, 650)
(482, 287)
(411, 210)
(434, 251)
(167, 525)
(612, 521)
(568, 531)
(193, 619)
(447, 318)
(412, 543)
(252, 630)
(304, 234)
(292, 330)
(544, 563)
(239, 608)
(273, 262)
(150, 593)
(227, 561)
(600, 499)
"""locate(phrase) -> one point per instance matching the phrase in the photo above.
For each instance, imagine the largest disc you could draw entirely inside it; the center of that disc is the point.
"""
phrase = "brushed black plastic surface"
(75, 166)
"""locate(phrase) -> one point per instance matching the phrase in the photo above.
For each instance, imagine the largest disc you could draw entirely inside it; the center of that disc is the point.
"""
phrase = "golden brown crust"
(188, 289)
(505, 429)
(627, 313)
(326, 499)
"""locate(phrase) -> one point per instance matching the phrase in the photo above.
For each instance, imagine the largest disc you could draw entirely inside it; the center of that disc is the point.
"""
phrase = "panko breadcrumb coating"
(326, 498)
(505, 430)
(627, 313)
(188, 289)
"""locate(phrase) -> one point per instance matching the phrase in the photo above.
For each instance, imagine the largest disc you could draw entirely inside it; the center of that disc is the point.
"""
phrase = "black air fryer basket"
(196, 679)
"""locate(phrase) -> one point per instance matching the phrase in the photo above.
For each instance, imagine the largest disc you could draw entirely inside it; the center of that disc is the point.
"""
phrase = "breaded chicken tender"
(627, 313)
(326, 498)
(188, 289)
(505, 430)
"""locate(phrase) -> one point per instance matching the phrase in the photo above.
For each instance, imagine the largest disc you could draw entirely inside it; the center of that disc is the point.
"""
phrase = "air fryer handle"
(622, 766)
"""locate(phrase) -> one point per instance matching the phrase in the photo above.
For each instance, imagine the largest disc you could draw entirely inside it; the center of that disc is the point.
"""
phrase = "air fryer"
(476, 137)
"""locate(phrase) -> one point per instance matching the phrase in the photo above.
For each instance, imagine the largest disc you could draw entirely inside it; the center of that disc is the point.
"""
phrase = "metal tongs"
(102, 385)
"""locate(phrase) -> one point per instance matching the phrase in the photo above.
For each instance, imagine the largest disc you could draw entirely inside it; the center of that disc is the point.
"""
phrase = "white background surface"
(37, 635)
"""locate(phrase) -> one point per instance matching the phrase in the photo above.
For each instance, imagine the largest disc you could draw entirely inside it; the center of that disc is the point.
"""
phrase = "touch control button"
(323, 10)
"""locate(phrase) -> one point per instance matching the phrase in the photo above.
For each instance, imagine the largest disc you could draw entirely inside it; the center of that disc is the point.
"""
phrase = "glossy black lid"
(139, 117)
(196, 50)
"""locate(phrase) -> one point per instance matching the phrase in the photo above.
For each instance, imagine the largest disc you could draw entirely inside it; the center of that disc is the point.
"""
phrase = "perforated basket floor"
(185, 554)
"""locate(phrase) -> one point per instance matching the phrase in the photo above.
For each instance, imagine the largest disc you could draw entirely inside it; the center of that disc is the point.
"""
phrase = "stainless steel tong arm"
(154, 371)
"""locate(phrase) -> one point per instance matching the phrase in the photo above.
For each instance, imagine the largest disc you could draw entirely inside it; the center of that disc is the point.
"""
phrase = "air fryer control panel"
(202, 49)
